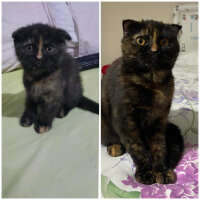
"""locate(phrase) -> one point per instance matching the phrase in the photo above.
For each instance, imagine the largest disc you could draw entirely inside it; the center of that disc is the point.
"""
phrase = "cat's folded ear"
(128, 24)
(176, 28)
(63, 34)
(16, 35)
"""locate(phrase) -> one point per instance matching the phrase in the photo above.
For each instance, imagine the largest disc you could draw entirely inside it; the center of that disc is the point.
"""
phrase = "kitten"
(51, 76)
(137, 93)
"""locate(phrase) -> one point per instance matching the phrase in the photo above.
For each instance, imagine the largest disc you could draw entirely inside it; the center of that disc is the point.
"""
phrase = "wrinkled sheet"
(118, 179)
(58, 164)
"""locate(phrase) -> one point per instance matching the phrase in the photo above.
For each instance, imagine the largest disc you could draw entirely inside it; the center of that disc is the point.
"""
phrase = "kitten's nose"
(39, 56)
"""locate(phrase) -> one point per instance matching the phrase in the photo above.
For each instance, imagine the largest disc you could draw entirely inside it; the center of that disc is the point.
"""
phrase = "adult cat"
(137, 93)
(51, 76)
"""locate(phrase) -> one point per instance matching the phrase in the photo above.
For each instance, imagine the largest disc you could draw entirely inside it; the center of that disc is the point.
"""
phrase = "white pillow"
(86, 16)
(14, 16)
(59, 16)
(188, 58)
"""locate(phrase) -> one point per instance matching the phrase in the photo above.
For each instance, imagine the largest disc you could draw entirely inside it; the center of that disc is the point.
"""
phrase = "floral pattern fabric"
(186, 185)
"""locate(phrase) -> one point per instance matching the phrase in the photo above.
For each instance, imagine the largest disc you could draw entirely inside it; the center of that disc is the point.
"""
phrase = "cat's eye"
(140, 41)
(29, 48)
(49, 48)
(164, 42)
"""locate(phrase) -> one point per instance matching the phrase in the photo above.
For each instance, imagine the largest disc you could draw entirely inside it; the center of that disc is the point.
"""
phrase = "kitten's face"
(40, 47)
(151, 44)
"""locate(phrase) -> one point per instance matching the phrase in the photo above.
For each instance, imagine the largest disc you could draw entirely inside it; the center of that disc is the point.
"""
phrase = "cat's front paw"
(62, 113)
(165, 177)
(41, 128)
(145, 177)
(115, 150)
(26, 120)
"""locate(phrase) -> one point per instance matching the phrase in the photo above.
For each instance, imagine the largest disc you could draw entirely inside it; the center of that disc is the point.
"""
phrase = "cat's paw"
(40, 128)
(145, 177)
(26, 120)
(62, 113)
(115, 150)
(165, 177)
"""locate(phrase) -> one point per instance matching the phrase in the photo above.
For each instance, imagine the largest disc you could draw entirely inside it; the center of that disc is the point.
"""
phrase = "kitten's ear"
(16, 35)
(176, 28)
(127, 24)
(63, 35)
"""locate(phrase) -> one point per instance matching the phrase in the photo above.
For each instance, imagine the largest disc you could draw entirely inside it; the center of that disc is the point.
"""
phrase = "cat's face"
(40, 47)
(150, 44)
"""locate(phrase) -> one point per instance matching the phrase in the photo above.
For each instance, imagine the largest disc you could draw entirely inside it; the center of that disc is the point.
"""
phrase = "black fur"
(174, 145)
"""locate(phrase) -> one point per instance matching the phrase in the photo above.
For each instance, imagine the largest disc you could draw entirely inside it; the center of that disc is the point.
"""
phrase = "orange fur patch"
(154, 45)
(40, 45)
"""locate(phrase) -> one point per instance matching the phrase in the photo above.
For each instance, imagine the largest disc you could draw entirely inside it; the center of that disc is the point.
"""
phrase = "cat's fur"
(51, 76)
(137, 92)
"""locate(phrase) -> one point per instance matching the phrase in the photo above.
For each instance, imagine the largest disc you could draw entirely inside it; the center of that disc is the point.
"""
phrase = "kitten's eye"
(140, 41)
(29, 48)
(50, 49)
(164, 42)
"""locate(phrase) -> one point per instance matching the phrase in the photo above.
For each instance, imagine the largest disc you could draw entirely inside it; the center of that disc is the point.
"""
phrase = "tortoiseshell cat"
(51, 76)
(137, 93)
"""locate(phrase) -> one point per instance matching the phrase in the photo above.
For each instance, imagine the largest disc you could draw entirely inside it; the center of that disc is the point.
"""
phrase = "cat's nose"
(39, 56)
(154, 47)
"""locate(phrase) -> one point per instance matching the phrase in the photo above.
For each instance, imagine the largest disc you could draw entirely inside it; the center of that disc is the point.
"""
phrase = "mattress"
(58, 164)
(117, 179)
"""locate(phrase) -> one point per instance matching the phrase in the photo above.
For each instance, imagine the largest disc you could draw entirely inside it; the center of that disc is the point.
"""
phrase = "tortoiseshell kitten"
(51, 76)
(137, 93)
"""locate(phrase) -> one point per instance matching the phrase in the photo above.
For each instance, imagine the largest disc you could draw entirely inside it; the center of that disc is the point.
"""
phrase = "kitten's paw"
(62, 113)
(26, 120)
(41, 128)
(165, 177)
(115, 150)
(145, 177)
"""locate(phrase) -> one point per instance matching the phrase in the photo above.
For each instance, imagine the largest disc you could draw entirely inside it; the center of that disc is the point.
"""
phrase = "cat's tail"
(174, 145)
(89, 105)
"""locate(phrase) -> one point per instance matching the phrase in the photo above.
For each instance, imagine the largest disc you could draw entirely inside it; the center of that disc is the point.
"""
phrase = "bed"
(57, 164)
